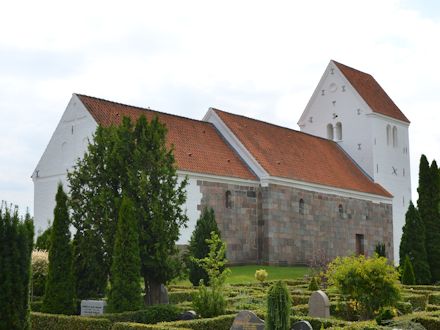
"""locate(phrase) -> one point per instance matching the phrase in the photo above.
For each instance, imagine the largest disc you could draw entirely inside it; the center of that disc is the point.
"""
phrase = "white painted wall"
(360, 125)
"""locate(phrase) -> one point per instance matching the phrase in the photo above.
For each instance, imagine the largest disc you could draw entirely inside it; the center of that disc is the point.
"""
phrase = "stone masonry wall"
(294, 237)
(238, 222)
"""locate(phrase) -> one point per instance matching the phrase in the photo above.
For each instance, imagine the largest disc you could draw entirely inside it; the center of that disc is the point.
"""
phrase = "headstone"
(319, 305)
(92, 307)
(247, 320)
(164, 295)
(302, 325)
(188, 315)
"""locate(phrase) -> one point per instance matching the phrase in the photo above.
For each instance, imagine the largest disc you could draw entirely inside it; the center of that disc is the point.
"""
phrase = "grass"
(245, 274)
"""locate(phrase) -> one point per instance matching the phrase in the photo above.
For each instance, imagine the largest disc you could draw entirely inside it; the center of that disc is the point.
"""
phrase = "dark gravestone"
(302, 325)
(164, 295)
(188, 315)
(247, 320)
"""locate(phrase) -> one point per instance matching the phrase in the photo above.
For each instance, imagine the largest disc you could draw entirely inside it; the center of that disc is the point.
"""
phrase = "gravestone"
(247, 320)
(319, 305)
(164, 295)
(92, 307)
(302, 325)
(188, 315)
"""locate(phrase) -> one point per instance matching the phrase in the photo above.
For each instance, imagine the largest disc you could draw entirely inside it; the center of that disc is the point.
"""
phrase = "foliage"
(313, 286)
(261, 275)
(40, 267)
(16, 240)
(210, 301)
(428, 206)
(134, 161)
(386, 315)
(41, 321)
(380, 250)
(198, 248)
(408, 276)
(413, 245)
(43, 240)
(151, 314)
(59, 293)
(125, 291)
(278, 307)
(369, 283)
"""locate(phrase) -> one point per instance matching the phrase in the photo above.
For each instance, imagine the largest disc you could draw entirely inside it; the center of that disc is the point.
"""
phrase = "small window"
(341, 211)
(394, 136)
(228, 201)
(338, 131)
(330, 132)
(360, 249)
(388, 135)
(301, 206)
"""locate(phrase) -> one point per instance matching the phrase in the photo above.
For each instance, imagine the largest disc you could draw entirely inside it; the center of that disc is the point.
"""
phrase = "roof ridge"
(351, 68)
(275, 125)
(143, 109)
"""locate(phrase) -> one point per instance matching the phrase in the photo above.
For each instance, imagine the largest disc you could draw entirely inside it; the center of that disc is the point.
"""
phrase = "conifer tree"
(125, 291)
(59, 294)
(16, 240)
(412, 245)
(198, 247)
(428, 206)
(278, 307)
(408, 277)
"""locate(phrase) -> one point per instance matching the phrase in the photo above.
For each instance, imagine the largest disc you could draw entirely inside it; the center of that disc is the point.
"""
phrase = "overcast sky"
(261, 59)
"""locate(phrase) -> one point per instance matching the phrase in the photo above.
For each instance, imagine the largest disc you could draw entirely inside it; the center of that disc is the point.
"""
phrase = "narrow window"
(388, 134)
(330, 131)
(228, 202)
(341, 211)
(394, 136)
(360, 244)
(301, 206)
(338, 131)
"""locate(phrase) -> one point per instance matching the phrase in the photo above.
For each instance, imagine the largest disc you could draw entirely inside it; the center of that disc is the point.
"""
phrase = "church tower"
(351, 108)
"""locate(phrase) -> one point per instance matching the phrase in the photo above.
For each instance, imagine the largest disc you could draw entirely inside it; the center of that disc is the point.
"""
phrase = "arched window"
(341, 211)
(330, 131)
(338, 131)
(228, 201)
(388, 135)
(394, 136)
(301, 206)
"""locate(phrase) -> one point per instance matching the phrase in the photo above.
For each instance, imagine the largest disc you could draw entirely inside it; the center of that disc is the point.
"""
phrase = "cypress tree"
(16, 240)
(278, 307)
(428, 206)
(59, 294)
(125, 291)
(198, 247)
(408, 277)
(412, 245)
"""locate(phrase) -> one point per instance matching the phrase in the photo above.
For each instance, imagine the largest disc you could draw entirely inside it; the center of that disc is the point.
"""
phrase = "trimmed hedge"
(41, 321)
(180, 296)
(36, 306)
(317, 323)
(223, 322)
(417, 301)
(149, 315)
(137, 326)
(434, 298)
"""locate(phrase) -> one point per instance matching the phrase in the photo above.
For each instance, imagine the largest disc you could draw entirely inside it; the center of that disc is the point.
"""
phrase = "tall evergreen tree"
(16, 240)
(198, 247)
(408, 277)
(125, 291)
(59, 294)
(412, 245)
(428, 206)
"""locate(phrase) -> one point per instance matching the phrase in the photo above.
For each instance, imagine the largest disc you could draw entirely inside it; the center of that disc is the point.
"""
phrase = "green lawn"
(245, 274)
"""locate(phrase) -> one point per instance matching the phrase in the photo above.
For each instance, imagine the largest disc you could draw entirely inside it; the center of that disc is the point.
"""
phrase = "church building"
(339, 186)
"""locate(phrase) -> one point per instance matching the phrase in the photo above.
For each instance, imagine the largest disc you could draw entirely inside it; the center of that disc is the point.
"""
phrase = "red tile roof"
(370, 90)
(287, 153)
(198, 147)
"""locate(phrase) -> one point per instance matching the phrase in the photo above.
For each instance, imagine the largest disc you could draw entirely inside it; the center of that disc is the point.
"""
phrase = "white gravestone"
(92, 307)
(319, 305)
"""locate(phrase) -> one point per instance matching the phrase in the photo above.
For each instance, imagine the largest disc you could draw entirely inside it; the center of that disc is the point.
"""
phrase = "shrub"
(386, 315)
(40, 266)
(408, 276)
(278, 307)
(198, 247)
(369, 283)
(42, 321)
(210, 301)
(149, 315)
(313, 286)
(16, 239)
(59, 294)
(261, 275)
(43, 240)
(380, 250)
